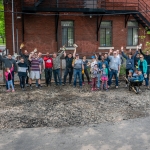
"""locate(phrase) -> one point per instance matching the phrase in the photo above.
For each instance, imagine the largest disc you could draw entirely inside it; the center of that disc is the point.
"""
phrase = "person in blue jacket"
(129, 61)
(142, 65)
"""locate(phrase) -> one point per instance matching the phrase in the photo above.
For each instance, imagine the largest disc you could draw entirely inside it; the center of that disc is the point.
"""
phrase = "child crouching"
(8, 77)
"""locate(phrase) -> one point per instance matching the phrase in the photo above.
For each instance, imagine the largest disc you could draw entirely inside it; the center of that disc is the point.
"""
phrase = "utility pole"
(13, 32)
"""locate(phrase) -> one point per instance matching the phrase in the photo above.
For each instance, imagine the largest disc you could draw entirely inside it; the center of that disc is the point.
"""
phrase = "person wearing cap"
(69, 69)
(142, 65)
(129, 61)
(114, 67)
(77, 68)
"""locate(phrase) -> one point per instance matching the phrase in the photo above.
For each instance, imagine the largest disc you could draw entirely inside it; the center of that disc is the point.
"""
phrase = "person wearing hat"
(129, 61)
(77, 69)
(114, 67)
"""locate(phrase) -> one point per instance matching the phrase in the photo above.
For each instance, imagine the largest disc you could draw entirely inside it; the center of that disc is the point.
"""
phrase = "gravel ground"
(67, 106)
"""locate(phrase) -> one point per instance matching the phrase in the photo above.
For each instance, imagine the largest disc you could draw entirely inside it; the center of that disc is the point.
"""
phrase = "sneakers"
(116, 87)
(30, 87)
(126, 85)
(13, 90)
(7, 90)
(83, 83)
(92, 89)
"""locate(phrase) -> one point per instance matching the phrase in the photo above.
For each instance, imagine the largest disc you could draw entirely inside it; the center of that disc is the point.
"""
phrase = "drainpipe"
(13, 32)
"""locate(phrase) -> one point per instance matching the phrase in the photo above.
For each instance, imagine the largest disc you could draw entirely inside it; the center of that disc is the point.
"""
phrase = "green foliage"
(122, 70)
(2, 23)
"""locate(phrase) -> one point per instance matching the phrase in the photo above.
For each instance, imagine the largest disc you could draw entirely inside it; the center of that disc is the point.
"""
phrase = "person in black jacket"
(25, 56)
(8, 62)
(22, 72)
(147, 58)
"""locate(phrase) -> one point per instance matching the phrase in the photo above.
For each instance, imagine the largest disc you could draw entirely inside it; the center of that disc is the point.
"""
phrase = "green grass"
(1, 42)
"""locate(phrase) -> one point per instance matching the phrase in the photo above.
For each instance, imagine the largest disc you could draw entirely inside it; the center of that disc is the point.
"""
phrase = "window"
(67, 33)
(132, 39)
(106, 34)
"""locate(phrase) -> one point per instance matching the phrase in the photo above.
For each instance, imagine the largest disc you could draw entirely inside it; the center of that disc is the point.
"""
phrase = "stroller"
(134, 85)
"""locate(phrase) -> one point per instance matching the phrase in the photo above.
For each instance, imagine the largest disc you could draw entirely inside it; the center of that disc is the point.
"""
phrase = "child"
(139, 77)
(8, 76)
(22, 73)
(94, 72)
(104, 77)
(130, 74)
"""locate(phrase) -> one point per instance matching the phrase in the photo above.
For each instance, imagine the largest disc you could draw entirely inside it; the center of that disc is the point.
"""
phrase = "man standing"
(8, 62)
(69, 69)
(114, 67)
(25, 56)
(78, 67)
(48, 65)
(35, 70)
(56, 67)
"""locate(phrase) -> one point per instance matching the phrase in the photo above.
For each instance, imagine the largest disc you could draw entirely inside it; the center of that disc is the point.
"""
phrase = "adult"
(106, 58)
(69, 69)
(77, 68)
(35, 69)
(85, 64)
(8, 62)
(22, 72)
(142, 65)
(56, 67)
(48, 65)
(136, 59)
(99, 56)
(129, 61)
(41, 62)
(25, 56)
(114, 67)
(147, 58)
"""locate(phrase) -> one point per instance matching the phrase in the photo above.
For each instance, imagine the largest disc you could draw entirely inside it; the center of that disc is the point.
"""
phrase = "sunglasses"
(141, 57)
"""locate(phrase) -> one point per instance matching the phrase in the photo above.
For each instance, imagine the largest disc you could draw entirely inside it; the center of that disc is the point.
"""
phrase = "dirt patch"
(68, 106)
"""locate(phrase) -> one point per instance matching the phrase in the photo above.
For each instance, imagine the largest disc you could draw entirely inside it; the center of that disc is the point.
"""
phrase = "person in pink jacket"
(9, 77)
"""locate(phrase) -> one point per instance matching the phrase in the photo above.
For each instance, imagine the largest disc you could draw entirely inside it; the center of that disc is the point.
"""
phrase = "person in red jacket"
(48, 65)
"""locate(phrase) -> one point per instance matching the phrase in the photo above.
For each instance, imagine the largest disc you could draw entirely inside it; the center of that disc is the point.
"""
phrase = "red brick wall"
(39, 31)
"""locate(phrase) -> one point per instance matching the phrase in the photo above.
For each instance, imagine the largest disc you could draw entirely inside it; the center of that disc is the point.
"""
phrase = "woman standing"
(129, 61)
(86, 64)
(142, 65)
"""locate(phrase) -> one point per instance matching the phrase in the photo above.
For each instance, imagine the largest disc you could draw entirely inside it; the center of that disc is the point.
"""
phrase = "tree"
(2, 23)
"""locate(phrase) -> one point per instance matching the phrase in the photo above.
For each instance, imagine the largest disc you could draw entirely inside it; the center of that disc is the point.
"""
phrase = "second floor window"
(132, 39)
(106, 34)
(67, 33)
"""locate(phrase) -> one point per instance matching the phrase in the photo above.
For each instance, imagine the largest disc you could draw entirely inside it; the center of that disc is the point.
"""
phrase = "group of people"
(99, 71)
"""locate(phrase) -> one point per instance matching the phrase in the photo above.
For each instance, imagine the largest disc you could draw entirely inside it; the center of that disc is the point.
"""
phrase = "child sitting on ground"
(94, 72)
(8, 77)
(104, 77)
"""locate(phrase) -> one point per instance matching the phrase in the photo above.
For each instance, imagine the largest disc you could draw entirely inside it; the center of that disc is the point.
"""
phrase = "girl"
(22, 72)
(94, 72)
(8, 77)
(104, 77)
(85, 71)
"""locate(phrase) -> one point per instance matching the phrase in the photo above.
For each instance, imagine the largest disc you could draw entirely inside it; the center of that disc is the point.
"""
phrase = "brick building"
(95, 25)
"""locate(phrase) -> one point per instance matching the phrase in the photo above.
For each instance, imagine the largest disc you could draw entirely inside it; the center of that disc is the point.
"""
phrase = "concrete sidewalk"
(125, 135)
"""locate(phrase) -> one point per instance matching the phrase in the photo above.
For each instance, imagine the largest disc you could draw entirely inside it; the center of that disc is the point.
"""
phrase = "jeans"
(56, 74)
(12, 80)
(113, 73)
(48, 76)
(10, 83)
(77, 73)
(70, 72)
(22, 81)
(87, 75)
(94, 82)
(98, 80)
